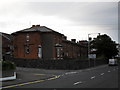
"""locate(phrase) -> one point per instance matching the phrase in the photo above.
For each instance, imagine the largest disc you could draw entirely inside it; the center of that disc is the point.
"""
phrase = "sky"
(74, 19)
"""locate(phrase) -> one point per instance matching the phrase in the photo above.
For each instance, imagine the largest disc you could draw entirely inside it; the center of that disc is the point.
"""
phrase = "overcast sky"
(73, 19)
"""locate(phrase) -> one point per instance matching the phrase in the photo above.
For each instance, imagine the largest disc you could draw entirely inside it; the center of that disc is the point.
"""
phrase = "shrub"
(8, 65)
(102, 57)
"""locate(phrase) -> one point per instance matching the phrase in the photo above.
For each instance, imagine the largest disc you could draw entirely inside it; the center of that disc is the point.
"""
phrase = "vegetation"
(8, 65)
(104, 46)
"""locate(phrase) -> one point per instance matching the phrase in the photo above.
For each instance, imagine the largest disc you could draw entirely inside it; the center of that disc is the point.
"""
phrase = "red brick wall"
(19, 42)
(71, 48)
(67, 48)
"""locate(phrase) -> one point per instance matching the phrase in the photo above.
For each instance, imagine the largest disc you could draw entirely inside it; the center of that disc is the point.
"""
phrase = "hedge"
(8, 65)
(57, 64)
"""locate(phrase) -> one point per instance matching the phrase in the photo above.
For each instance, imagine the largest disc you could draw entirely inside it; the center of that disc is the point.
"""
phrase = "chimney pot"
(33, 25)
(73, 40)
(38, 25)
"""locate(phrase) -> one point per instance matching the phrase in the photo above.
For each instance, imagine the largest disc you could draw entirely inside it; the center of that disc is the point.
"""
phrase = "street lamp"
(89, 39)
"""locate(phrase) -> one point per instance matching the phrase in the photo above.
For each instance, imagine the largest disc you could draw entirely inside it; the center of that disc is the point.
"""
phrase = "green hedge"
(8, 65)
(57, 64)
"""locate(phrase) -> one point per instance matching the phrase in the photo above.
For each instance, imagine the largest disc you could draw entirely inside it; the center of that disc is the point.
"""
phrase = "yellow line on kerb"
(22, 84)
(30, 82)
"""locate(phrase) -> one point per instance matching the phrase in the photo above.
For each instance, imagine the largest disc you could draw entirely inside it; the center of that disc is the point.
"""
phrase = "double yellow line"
(37, 81)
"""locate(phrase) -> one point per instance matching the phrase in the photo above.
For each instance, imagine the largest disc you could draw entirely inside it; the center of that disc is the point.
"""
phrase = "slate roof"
(38, 28)
(5, 35)
(41, 29)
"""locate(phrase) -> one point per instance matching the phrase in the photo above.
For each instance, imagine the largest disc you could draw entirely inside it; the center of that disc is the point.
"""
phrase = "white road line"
(102, 74)
(92, 77)
(109, 71)
(114, 69)
(70, 73)
(80, 82)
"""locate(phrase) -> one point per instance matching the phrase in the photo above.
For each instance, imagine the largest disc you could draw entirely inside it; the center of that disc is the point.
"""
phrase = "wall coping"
(9, 78)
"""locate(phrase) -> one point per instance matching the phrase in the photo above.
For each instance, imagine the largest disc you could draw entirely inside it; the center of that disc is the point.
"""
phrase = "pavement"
(27, 75)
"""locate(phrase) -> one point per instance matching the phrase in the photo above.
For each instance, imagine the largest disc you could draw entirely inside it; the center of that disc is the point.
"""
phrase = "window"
(58, 52)
(27, 50)
(39, 51)
(27, 37)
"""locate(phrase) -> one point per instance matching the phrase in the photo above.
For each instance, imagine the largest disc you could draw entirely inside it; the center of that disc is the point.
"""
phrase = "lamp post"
(0, 47)
(89, 39)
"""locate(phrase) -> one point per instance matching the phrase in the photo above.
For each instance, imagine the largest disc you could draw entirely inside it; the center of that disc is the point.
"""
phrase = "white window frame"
(39, 51)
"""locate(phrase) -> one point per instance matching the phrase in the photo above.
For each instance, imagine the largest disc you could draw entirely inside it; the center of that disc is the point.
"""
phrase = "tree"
(104, 46)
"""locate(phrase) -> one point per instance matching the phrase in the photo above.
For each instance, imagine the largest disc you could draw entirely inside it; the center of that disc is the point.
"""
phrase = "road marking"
(102, 74)
(23, 84)
(30, 82)
(109, 71)
(53, 77)
(114, 69)
(62, 75)
(70, 73)
(80, 82)
(92, 77)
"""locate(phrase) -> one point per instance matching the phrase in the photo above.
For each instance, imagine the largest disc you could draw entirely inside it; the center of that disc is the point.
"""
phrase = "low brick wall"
(7, 73)
(57, 64)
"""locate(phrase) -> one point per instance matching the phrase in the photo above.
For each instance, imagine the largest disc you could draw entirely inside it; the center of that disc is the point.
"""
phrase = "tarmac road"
(98, 77)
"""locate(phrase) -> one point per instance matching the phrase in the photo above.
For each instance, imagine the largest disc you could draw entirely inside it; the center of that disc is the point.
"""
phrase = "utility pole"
(89, 39)
(0, 46)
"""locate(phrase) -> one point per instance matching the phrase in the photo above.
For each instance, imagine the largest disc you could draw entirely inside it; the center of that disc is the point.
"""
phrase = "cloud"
(67, 16)
(78, 13)
(82, 13)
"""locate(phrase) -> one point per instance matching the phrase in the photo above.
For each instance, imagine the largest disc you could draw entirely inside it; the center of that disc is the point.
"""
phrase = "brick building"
(44, 43)
(37, 42)
(27, 44)
(71, 49)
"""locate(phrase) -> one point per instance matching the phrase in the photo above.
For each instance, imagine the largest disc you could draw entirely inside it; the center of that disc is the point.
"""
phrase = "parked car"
(113, 62)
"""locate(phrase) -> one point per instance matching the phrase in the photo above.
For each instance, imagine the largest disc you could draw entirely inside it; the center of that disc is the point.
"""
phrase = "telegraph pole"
(89, 39)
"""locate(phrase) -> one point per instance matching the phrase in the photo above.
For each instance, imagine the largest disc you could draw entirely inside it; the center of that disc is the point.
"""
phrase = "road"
(99, 77)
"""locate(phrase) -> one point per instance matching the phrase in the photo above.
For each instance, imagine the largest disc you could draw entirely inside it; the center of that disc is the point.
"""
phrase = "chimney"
(64, 37)
(73, 40)
(33, 25)
(37, 25)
